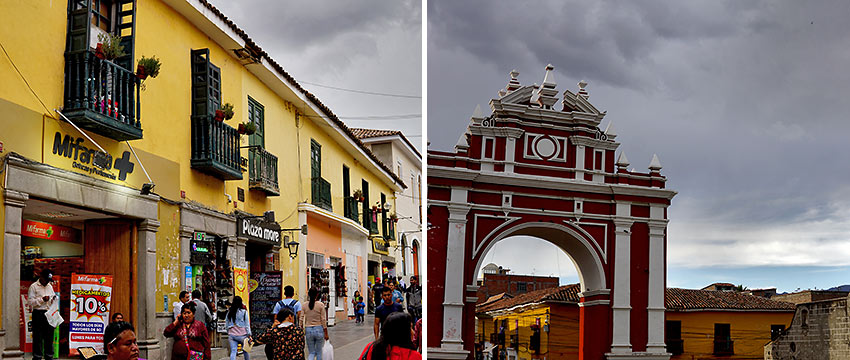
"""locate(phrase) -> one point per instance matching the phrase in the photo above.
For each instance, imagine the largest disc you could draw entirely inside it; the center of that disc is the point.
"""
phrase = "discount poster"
(91, 296)
(241, 283)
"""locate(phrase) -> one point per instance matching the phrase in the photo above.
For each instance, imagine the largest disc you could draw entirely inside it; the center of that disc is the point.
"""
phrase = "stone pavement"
(347, 338)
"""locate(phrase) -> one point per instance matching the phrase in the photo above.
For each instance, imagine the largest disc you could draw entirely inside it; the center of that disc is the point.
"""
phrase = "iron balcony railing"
(101, 96)
(321, 191)
(350, 208)
(262, 171)
(215, 148)
(370, 221)
(675, 346)
(724, 347)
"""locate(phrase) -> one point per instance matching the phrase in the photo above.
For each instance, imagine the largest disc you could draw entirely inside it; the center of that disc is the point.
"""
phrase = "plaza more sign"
(258, 230)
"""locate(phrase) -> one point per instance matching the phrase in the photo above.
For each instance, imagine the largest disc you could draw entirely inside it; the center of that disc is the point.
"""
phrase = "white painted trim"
(594, 303)
(603, 251)
(409, 151)
(507, 132)
(476, 246)
(342, 220)
(528, 211)
(454, 272)
(591, 293)
(594, 143)
(621, 316)
(530, 142)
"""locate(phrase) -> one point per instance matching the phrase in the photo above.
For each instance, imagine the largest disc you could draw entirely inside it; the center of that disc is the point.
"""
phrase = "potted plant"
(358, 195)
(110, 45)
(394, 217)
(147, 66)
(247, 128)
(227, 108)
(98, 51)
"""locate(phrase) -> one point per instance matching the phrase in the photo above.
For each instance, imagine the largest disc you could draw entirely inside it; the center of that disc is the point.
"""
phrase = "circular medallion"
(545, 147)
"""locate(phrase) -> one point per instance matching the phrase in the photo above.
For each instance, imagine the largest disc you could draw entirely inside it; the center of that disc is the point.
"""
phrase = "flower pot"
(362, 199)
(250, 131)
(98, 52)
(219, 115)
(241, 129)
(141, 73)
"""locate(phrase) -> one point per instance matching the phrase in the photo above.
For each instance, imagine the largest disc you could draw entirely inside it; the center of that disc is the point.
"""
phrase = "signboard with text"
(42, 230)
(263, 298)
(91, 296)
(258, 230)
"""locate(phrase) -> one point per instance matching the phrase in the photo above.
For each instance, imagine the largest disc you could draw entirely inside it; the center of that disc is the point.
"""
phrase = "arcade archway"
(534, 168)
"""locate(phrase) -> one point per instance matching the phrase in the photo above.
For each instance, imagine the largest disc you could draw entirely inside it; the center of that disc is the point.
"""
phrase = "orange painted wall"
(324, 237)
(750, 331)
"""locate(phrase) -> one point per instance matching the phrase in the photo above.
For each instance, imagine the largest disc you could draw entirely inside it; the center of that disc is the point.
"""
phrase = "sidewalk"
(349, 340)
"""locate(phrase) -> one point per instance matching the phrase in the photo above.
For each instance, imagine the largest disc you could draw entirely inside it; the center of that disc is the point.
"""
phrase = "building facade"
(149, 170)
(818, 331)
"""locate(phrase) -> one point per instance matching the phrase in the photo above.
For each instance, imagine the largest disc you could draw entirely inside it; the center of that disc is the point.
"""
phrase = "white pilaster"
(510, 155)
(454, 287)
(621, 342)
(655, 308)
(580, 162)
(14, 206)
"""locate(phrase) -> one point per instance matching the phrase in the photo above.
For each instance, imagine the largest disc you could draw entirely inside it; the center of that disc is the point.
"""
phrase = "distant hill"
(840, 288)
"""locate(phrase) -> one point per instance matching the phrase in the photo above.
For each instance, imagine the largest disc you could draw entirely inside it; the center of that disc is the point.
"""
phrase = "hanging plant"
(111, 46)
(247, 128)
(98, 51)
(394, 217)
(358, 195)
(148, 66)
(227, 108)
(219, 115)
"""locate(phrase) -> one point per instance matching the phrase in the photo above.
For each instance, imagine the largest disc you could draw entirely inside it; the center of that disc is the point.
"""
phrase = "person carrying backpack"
(287, 303)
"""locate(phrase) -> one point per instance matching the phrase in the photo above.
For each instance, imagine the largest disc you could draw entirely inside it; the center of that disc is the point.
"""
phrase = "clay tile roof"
(370, 133)
(566, 293)
(687, 299)
(256, 49)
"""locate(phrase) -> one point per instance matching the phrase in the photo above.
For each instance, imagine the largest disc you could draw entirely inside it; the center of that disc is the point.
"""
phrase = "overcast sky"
(368, 45)
(745, 103)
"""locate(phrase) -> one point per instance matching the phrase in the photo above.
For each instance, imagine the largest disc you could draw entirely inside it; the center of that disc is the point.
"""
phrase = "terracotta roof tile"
(370, 133)
(687, 299)
(251, 45)
(567, 293)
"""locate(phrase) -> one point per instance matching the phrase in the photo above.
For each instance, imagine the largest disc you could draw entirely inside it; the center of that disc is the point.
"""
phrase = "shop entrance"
(72, 240)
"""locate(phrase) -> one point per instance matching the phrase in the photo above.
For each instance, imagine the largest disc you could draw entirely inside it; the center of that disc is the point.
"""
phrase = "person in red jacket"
(395, 342)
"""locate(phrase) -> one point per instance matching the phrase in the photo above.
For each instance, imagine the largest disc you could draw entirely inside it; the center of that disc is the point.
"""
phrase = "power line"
(24, 79)
(363, 92)
(370, 117)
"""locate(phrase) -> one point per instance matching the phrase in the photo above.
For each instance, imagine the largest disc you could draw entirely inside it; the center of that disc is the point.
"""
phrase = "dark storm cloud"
(744, 103)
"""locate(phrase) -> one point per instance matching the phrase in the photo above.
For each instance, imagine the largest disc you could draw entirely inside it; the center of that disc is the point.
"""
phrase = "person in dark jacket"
(285, 338)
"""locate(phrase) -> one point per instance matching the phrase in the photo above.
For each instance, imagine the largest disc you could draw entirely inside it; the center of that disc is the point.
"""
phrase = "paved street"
(348, 340)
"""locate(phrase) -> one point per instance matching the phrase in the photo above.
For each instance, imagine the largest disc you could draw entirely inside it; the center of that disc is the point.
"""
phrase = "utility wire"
(25, 80)
(371, 117)
(363, 92)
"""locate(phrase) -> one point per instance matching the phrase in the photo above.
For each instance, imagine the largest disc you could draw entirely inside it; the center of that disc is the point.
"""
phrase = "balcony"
(370, 221)
(350, 210)
(675, 346)
(724, 347)
(321, 191)
(101, 96)
(262, 171)
(215, 148)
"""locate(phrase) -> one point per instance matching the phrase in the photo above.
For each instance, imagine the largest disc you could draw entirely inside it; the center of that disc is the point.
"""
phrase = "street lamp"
(292, 246)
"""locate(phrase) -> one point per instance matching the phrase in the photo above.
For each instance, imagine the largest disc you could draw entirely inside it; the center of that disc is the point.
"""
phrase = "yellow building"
(700, 324)
(83, 140)
(541, 324)
(705, 324)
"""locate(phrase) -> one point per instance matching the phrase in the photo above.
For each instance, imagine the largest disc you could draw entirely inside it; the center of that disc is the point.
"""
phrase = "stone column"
(14, 204)
(237, 254)
(621, 341)
(454, 288)
(655, 317)
(146, 327)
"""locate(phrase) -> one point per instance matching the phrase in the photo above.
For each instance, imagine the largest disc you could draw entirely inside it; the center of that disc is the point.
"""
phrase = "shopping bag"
(328, 351)
(247, 344)
(53, 317)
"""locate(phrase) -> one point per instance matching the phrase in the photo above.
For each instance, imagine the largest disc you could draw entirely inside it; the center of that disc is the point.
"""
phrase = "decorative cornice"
(149, 225)
(596, 143)
(15, 198)
(496, 131)
(187, 231)
(205, 211)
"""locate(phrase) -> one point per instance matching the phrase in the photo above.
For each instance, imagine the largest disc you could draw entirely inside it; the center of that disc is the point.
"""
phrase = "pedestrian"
(203, 313)
(397, 298)
(315, 325)
(284, 337)
(414, 298)
(289, 302)
(359, 310)
(370, 300)
(377, 290)
(119, 341)
(183, 298)
(41, 296)
(116, 317)
(417, 335)
(395, 342)
(385, 309)
(238, 327)
(191, 339)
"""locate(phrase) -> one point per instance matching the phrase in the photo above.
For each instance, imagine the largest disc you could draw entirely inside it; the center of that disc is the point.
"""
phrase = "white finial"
(549, 78)
(502, 93)
(655, 164)
(582, 91)
(461, 143)
(477, 113)
(513, 84)
(609, 130)
(622, 161)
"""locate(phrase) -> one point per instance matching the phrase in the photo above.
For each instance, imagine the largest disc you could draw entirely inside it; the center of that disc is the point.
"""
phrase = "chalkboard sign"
(263, 298)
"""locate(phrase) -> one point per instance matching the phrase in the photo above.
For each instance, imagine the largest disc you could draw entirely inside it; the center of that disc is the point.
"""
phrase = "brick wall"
(820, 330)
(494, 284)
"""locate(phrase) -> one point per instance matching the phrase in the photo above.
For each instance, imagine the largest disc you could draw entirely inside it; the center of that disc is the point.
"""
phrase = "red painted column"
(594, 334)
